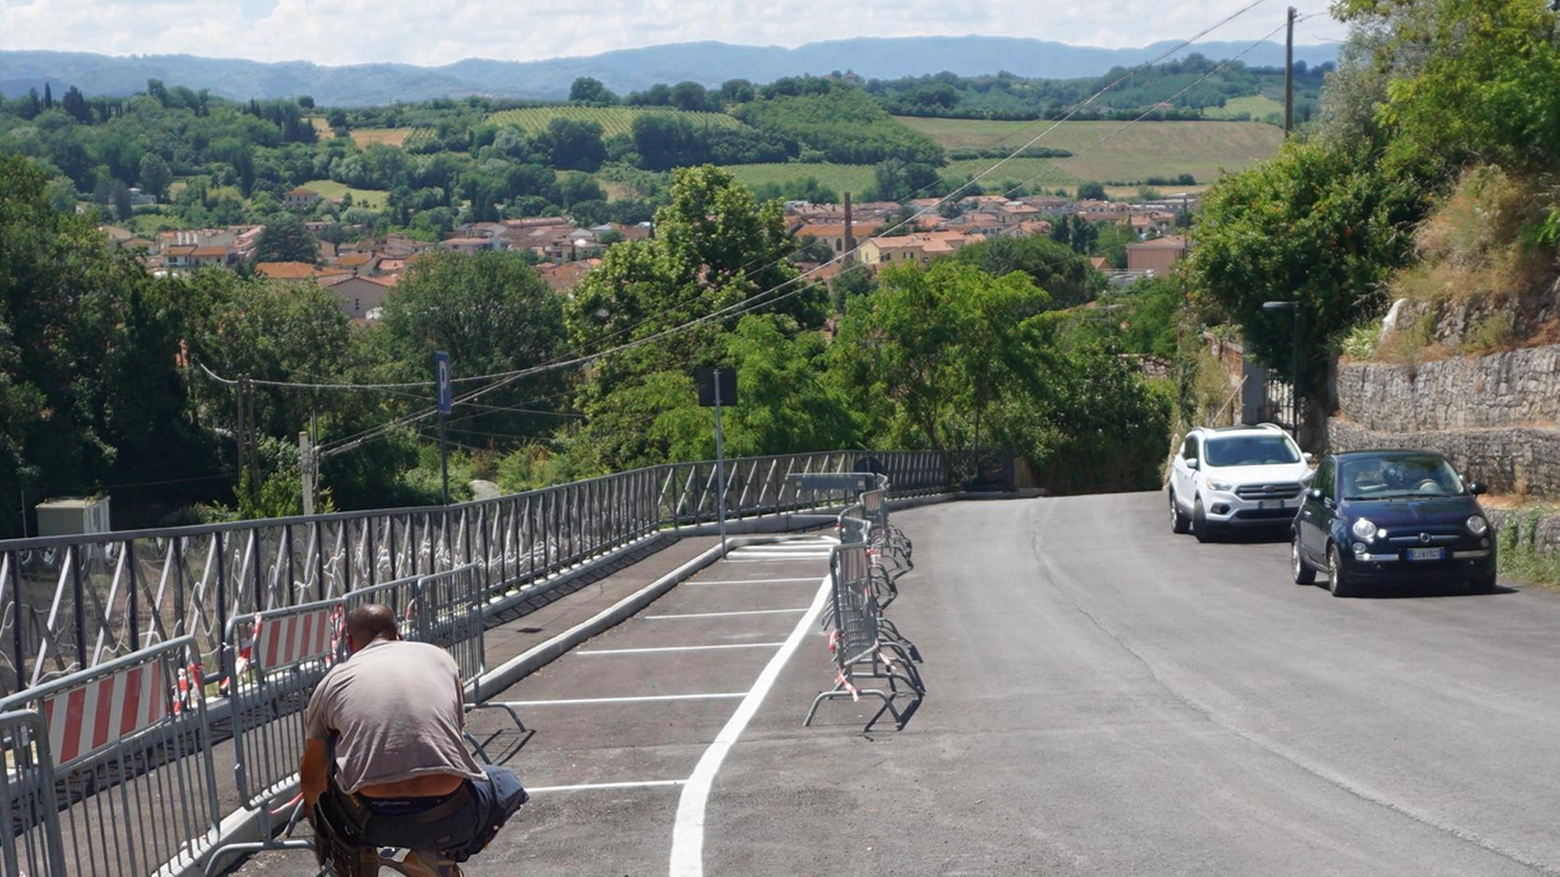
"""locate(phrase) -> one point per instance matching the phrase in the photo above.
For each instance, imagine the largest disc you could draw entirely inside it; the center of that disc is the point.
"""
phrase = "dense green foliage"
(1188, 85)
(835, 122)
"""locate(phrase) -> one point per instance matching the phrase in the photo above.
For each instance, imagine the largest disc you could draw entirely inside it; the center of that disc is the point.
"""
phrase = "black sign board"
(707, 378)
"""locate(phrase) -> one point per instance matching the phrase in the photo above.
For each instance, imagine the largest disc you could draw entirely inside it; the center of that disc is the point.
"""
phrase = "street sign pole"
(720, 468)
(441, 368)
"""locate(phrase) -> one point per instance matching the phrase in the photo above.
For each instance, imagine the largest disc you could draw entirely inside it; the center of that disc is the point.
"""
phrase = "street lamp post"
(1293, 307)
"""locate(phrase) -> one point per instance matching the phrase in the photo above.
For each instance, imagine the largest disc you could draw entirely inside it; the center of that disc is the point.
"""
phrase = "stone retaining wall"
(1540, 530)
(1523, 460)
(1521, 387)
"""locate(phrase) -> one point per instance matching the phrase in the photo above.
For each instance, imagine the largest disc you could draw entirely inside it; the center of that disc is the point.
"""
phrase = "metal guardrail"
(68, 603)
(131, 763)
(33, 846)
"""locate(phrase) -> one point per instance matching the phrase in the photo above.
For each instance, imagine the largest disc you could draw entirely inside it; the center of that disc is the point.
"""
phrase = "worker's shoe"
(415, 866)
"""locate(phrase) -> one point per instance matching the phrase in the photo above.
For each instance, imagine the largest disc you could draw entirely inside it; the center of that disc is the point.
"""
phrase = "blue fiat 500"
(1378, 517)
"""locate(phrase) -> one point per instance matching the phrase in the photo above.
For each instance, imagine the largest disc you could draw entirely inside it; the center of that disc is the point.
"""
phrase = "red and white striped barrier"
(82, 720)
(293, 638)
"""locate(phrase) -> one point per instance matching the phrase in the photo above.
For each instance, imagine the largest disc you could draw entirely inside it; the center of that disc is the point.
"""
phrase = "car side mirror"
(1314, 493)
(1307, 456)
(1478, 488)
(1191, 463)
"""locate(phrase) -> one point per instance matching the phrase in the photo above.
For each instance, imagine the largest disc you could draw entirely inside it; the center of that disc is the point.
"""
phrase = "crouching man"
(385, 764)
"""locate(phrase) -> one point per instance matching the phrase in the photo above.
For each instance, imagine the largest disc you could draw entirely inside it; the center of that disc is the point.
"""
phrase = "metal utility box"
(65, 516)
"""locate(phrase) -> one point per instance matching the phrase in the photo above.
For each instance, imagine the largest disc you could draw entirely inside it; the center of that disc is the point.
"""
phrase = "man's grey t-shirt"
(397, 710)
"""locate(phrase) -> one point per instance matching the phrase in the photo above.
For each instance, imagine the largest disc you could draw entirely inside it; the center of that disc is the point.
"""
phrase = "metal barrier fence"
(73, 602)
(32, 845)
(452, 618)
(861, 651)
(132, 764)
(271, 666)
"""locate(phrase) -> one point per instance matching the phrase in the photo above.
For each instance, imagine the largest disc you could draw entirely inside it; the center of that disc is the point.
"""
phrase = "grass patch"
(1520, 555)
(1256, 106)
(613, 120)
(373, 199)
(842, 178)
(366, 137)
(1109, 151)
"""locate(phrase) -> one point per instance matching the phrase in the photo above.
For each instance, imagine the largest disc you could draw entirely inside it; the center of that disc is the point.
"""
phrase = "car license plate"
(1270, 503)
(1424, 554)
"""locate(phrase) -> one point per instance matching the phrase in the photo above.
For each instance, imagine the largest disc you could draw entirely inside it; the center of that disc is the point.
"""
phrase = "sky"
(434, 32)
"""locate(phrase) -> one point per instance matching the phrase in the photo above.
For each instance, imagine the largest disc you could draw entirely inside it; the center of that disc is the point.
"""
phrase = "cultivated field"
(1258, 105)
(613, 120)
(331, 190)
(1105, 151)
(366, 137)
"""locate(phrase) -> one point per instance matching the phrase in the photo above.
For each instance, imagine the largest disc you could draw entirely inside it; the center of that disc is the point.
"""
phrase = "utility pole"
(1289, 74)
(306, 467)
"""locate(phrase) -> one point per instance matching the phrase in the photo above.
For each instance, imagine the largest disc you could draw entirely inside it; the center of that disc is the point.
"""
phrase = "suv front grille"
(1287, 490)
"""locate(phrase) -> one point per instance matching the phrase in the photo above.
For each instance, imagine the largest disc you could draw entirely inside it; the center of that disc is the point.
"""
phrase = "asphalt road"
(1104, 698)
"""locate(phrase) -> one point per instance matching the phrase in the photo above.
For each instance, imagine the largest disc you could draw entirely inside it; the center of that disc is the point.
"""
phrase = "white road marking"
(646, 698)
(752, 581)
(647, 784)
(790, 558)
(677, 649)
(688, 831)
(723, 614)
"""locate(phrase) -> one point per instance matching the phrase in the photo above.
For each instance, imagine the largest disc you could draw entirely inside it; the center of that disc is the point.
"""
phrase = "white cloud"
(432, 32)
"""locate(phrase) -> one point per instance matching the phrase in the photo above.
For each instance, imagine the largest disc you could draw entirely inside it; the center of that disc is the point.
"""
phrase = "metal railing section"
(32, 844)
(73, 602)
(132, 763)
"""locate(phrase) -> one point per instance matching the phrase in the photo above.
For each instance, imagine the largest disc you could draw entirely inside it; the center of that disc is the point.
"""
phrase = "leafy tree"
(493, 314)
(155, 175)
(1481, 82)
(1312, 225)
(285, 239)
(575, 145)
(588, 90)
(1091, 192)
(1064, 274)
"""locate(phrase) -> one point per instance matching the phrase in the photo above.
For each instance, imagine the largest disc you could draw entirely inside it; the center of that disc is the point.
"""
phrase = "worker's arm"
(313, 775)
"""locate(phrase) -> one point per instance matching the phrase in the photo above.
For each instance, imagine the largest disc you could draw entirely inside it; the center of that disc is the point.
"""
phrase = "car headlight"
(1477, 525)
(1364, 529)
(1221, 486)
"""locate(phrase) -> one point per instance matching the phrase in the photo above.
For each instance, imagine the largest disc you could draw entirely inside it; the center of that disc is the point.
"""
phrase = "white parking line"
(647, 784)
(786, 559)
(723, 614)
(646, 698)
(752, 581)
(688, 831)
(677, 649)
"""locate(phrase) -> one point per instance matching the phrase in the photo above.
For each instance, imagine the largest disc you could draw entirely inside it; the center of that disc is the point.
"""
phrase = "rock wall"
(1535, 530)
(1519, 460)
(1521, 387)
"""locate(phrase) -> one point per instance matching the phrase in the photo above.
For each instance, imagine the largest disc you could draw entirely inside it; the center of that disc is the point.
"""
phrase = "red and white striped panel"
(872, 500)
(293, 638)
(85, 719)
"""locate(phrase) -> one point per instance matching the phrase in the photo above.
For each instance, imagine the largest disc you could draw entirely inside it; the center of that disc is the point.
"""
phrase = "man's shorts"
(455, 827)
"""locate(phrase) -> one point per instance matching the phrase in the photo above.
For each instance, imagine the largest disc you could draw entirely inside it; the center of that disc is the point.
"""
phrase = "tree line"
(114, 381)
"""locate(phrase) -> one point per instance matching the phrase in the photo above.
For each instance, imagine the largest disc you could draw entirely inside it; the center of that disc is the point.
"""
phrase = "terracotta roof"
(286, 270)
(355, 259)
(210, 251)
(180, 250)
(1174, 242)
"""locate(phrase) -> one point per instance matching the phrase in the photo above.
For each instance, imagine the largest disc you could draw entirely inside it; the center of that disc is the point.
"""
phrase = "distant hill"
(622, 71)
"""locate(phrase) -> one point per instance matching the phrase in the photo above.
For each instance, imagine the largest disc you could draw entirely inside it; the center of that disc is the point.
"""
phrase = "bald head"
(369, 622)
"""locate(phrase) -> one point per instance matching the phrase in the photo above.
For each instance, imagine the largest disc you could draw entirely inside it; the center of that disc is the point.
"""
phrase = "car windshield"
(1251, 450)
(1399, 477)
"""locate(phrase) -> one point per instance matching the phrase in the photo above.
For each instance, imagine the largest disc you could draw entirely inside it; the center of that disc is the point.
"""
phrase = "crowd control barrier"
(32, 843)
(862, 654)
(132, 763)
(452, 618)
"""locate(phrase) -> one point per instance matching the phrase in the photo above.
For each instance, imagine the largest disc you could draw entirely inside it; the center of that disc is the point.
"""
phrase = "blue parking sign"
(441, 368)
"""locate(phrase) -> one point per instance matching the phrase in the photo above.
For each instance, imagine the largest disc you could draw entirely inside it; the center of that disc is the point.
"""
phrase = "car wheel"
(1304, 573)
(1178, 521)
(1200, 522)
(1484, 584)
(1337, 580)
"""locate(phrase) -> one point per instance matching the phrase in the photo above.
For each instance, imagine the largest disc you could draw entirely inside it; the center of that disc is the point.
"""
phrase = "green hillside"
(613, 120)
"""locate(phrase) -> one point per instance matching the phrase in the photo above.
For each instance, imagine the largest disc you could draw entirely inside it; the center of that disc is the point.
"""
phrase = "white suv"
(1238, 476)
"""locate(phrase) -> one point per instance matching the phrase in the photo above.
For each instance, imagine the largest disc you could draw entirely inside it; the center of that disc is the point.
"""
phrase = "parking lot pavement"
(619, 724)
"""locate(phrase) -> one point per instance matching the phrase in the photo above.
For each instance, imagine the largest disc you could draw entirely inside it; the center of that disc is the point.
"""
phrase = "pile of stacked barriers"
(871, 657)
